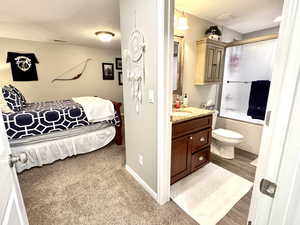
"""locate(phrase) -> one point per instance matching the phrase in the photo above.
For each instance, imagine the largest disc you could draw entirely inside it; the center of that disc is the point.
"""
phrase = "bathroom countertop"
(189, 113)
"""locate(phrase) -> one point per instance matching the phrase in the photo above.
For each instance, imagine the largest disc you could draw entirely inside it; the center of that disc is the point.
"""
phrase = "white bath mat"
(208, 194)
(254, 162)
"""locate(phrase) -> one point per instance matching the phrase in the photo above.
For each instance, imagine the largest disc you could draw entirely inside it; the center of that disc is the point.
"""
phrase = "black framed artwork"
(108, 71)
(120, 78)
(118, 63)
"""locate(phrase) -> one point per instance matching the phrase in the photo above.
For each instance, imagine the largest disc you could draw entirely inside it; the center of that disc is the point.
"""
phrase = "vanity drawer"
(200, 158)
(190, 126)
(201, 139)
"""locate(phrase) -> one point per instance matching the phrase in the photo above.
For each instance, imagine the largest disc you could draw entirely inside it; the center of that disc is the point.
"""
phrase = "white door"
(12, 210)
(286, 205)
(282, 102)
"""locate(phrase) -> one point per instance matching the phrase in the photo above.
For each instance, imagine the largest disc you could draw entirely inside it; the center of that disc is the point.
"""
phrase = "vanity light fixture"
(182, 22)
(105, 36)
(278, 19)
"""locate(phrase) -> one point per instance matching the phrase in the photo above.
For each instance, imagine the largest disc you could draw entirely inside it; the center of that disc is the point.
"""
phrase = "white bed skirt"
(47, 152)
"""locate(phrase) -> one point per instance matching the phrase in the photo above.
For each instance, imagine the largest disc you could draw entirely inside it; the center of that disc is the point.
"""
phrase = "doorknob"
(201, 158)
(267, 187)
(13, 159)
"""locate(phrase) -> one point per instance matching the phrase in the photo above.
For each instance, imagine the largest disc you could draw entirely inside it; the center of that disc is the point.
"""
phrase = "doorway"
(216, 86)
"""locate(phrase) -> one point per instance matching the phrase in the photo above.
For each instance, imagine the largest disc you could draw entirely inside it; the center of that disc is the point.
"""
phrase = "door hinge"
(268, 116)
(267, 187)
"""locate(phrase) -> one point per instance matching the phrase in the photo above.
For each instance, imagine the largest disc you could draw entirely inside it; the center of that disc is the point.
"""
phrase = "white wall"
(54, 60)
(197, 27)
(252, 133)
(141, 129)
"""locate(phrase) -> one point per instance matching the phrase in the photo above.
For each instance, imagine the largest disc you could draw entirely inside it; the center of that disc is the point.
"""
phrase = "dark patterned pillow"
(12, 99)
(19, 93)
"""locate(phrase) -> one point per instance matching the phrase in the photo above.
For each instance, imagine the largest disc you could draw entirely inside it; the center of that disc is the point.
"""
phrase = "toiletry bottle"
(185, 100)
(177, 102)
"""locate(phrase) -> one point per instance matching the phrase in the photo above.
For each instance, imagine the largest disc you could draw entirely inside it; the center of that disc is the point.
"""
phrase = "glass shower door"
(244, 64)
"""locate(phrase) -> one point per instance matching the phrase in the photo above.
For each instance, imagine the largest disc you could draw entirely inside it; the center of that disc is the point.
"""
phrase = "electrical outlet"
(141, 160)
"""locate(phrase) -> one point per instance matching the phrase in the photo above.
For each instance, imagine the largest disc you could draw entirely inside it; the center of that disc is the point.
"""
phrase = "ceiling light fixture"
(278, 19)
(182, 22)
(105, 36)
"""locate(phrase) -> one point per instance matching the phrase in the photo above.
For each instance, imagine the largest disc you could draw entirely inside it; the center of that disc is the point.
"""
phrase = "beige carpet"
(93, 189)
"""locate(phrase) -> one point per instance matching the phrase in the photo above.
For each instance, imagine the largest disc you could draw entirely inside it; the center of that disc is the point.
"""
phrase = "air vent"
(225, 16)
(59, 41)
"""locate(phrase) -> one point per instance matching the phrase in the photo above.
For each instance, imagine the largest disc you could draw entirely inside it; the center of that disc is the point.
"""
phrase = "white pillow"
(3, 104)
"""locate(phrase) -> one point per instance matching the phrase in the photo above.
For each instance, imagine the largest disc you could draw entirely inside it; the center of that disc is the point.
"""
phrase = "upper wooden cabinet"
(210, 61)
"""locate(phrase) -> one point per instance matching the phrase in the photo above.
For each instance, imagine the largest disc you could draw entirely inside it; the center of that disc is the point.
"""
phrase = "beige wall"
(54, 60)
(141, 133)
(202, 94)
(273, 30)
(252, 133)
(199, 94)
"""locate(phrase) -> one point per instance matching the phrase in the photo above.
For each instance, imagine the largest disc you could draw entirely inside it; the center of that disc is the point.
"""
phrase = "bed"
(54, 130)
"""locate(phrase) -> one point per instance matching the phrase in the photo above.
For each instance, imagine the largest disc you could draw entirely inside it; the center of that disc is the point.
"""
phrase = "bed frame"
(119, 136)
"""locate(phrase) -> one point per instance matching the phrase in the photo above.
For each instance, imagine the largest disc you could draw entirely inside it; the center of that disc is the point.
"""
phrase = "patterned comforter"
(47, 117)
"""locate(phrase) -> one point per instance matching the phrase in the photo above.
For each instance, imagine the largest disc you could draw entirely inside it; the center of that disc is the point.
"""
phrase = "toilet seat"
(228, 136)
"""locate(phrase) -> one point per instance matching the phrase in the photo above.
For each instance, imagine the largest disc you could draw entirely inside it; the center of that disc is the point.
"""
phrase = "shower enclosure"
(243, 64)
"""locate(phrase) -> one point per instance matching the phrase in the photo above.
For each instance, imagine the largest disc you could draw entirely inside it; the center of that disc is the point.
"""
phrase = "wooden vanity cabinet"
(180, 158)
(191, 141)
(210, 61)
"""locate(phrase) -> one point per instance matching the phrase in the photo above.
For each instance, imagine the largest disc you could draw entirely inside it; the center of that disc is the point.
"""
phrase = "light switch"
(151, 96)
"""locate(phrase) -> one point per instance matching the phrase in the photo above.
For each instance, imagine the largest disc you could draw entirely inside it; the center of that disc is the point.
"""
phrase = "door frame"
(164, 97)
(281, 104)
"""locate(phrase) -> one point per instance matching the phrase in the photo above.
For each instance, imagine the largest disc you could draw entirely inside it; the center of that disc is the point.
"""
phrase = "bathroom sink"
(181, 113)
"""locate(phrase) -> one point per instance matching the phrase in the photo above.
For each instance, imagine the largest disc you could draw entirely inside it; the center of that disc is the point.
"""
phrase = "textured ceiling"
(74, 21)
(243, 16)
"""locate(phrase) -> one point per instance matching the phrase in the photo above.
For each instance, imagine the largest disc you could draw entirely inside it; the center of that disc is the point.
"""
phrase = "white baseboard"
(141, 182)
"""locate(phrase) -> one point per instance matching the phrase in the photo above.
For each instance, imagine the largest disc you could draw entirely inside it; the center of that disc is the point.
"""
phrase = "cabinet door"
(180, 158)
(209, 74)
(218, 65)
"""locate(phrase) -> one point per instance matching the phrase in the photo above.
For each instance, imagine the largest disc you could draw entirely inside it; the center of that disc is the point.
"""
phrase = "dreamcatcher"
(135, 66)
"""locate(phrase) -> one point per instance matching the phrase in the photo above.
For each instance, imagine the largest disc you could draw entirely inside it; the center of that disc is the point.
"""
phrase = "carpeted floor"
(93, 189)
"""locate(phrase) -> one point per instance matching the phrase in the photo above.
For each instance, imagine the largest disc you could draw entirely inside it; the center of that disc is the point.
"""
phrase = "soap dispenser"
(185, 100)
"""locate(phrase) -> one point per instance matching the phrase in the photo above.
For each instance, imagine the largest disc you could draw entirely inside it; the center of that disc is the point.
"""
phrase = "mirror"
(178, 64)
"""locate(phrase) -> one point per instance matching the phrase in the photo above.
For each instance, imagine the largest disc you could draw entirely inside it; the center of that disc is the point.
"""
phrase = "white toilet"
(223, 140)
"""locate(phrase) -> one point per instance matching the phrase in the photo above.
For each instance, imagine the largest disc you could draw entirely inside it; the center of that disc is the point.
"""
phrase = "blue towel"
(259, 94)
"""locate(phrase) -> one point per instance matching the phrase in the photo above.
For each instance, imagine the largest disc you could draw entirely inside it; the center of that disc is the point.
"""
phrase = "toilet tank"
(214, 118)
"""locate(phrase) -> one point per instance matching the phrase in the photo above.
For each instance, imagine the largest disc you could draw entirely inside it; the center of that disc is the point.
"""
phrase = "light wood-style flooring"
(241, 166)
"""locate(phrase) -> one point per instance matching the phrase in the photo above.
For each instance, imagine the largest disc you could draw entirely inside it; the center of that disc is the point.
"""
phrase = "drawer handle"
(201, 158)
(202, 139)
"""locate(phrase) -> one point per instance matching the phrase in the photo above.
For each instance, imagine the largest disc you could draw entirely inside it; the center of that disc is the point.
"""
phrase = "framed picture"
(120, 78)
(118, 63)
(108, 71)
